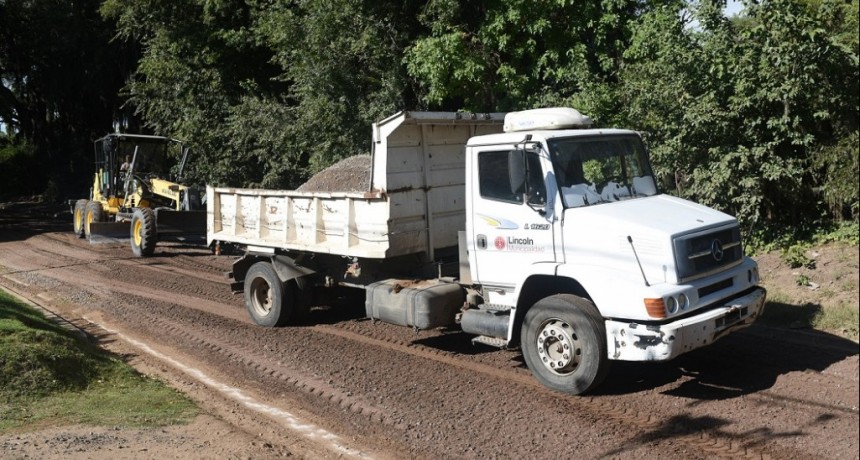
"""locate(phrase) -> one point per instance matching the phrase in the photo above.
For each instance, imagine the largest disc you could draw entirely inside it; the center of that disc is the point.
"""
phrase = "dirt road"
(343, 386)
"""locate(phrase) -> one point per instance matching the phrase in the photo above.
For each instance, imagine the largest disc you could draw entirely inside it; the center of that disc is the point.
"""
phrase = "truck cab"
(566, 225)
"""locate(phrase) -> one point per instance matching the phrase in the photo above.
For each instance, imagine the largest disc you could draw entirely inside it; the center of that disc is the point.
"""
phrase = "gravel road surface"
(343, 386)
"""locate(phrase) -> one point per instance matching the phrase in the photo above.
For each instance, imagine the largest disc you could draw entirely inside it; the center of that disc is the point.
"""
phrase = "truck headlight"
(671, 305)
(683, 302)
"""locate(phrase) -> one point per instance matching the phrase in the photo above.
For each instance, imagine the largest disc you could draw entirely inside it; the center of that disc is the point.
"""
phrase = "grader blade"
(109, 232)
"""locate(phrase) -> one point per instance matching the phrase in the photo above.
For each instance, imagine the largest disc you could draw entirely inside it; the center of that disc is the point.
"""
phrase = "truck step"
(491, 341)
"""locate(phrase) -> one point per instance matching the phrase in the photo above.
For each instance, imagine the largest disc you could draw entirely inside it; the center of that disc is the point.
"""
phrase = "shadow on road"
(742, 363)
(20, 221)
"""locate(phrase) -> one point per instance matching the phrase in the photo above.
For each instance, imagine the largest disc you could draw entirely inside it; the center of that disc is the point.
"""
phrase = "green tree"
(738, 109)
(202, 77)
(492, 55)
(342, 59)
(756, 115)
(268, 92)
(60, 78)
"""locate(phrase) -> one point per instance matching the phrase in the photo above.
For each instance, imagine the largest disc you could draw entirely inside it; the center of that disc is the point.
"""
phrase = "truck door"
(510, 229)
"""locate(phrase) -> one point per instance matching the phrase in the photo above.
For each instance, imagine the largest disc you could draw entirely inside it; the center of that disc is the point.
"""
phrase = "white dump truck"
(529, 229)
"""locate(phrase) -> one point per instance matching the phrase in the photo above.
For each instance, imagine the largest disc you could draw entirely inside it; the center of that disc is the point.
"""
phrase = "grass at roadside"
(841, 319)
(814, 284)
(49, 376)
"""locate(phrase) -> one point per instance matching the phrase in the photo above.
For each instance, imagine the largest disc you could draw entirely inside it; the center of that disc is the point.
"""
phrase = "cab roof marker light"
(548, 118)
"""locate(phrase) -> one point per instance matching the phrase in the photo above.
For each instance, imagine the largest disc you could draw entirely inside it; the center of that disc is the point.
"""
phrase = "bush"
(795, 257)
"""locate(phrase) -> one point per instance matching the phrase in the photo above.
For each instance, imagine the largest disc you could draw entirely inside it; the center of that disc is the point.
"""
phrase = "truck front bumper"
(630, 341)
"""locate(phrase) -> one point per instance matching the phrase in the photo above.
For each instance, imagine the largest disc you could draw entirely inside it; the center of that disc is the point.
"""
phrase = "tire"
(144, 234)
(564, 344)
(269, 301)
(79, 218)
(94, 213)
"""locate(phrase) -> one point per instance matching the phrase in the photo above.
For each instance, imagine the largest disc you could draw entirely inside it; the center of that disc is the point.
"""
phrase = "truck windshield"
(601, 169)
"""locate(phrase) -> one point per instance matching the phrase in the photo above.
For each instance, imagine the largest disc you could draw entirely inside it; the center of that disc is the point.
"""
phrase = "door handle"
(482, 241)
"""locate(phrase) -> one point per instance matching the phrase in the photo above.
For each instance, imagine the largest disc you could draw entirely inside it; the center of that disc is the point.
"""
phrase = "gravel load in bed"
(352, 174)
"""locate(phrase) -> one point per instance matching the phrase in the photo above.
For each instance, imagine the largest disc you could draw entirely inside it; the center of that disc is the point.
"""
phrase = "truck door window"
(493, 177)
(494, 184)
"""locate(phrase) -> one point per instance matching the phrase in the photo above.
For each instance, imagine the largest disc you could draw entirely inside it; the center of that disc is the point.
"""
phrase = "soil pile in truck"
(352, 174)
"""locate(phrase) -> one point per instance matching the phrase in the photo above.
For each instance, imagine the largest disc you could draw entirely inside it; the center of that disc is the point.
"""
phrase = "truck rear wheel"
(564, 344)
(269, 301)
(94, 213)
(143, 232)
(79, 218)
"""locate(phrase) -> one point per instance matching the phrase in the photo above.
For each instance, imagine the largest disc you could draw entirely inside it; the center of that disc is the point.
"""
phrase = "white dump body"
(415, 203)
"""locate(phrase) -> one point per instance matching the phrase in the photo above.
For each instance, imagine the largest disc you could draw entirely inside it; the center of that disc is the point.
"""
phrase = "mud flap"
(109, 232)
(184, 226)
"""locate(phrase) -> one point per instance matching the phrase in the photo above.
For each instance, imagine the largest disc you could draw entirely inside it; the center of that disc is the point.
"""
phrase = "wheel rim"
(78, 219)
(137, 237)
(558, 347)
(89, 220)
(261, 296)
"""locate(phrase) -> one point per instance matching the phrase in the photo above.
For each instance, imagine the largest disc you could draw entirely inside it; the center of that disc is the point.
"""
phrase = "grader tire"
(79, 218)
(143, 232)
(94, 213)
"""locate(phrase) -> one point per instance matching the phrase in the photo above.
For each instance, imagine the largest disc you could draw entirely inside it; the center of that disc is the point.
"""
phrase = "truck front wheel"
(269, 301)
(564, 344)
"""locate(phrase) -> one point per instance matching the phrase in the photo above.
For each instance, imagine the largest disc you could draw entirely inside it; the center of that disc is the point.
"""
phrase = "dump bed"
(415, 202)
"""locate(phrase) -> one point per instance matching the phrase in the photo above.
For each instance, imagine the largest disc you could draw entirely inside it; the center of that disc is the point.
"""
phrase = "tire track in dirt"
(117, 290)
(157, 266)
(598, 408)
(161, 321)
(77, 266)
(241, 354)
(200, 319)
(220, 265)
(61, 246)
(166, 291)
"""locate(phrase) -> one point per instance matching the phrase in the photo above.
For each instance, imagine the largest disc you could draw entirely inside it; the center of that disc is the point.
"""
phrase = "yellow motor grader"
(135, 195)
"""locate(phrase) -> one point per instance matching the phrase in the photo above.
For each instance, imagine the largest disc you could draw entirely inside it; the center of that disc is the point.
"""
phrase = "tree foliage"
(752, 115)
(494, 55)
(341, 59)
(755, 114)
(59, 81)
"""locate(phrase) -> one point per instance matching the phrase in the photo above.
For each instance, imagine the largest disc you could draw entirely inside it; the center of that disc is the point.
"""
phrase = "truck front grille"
(715, 287)
(700, 254)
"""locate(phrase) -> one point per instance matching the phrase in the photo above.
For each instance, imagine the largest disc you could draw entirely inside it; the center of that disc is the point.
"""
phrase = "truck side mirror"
(517, 171)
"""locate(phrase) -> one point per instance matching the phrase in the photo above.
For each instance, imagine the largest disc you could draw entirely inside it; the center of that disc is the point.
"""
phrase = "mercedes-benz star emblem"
(717, 250)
